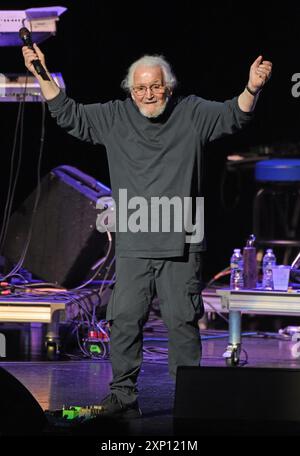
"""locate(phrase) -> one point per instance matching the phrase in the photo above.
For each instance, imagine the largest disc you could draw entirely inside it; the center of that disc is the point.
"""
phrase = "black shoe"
(112, 407)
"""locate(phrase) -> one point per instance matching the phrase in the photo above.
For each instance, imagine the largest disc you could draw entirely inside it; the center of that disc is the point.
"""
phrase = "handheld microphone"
(25, 36)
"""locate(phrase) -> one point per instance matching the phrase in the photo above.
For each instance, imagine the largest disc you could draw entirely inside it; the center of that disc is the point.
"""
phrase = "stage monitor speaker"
(20, 413)
(64, 243)
(217, 400)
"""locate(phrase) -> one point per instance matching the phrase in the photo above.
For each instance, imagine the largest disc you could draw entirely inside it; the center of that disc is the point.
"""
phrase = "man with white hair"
(154, 143)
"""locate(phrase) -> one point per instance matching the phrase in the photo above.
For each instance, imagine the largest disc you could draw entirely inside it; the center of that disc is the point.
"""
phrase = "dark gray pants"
(177, 284)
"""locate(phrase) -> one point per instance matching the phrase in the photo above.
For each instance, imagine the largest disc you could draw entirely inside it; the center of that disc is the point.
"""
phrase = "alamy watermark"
(155, 214)
(296, 87)
(2, 346)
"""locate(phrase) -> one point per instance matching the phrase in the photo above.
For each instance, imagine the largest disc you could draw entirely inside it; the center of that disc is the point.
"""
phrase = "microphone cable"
(19, 264)
(14, 179)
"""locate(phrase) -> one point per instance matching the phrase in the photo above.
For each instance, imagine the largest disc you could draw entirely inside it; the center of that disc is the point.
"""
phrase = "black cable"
(17, 172)
(37, 197)
(103, 287)
(100, 266)
(11, 183)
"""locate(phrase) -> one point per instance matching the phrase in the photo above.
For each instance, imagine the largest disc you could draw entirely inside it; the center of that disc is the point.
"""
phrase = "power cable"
(19, 264)
(12, 181)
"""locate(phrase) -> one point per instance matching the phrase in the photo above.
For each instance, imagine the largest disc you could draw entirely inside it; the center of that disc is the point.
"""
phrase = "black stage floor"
(75, 382)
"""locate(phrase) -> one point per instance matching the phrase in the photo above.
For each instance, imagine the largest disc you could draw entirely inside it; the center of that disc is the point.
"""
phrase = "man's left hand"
(260, 73)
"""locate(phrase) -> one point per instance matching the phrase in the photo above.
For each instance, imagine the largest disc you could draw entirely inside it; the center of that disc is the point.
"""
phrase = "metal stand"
(254, 302)
(233, 350)
(52, 335)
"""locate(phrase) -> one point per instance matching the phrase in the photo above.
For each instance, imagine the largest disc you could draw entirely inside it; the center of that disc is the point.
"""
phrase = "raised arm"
(49, 88)
(87, 122)
(260, 73)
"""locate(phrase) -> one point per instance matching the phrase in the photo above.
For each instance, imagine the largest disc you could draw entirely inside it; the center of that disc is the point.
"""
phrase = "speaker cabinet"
(216, 400)
(64, 242)
(20, 413)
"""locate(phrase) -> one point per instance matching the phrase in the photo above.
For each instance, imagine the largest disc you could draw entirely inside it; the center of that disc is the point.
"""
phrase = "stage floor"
(55, 384)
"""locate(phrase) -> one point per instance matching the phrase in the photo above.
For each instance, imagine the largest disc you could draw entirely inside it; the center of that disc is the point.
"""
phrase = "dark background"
(210, 48)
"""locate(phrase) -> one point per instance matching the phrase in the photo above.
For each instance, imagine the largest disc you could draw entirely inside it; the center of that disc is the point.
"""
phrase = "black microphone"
(25, 36)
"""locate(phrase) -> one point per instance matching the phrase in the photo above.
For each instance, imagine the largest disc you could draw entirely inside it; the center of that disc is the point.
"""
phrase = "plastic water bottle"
(269, 260)
(237, 270)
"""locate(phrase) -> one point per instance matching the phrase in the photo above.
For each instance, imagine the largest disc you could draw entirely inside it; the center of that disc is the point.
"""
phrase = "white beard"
(157, 112)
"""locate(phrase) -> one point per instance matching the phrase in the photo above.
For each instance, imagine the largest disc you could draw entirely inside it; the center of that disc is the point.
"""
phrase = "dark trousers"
(177, 284)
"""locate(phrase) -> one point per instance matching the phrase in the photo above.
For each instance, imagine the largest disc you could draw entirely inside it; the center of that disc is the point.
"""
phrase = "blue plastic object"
(278, 170)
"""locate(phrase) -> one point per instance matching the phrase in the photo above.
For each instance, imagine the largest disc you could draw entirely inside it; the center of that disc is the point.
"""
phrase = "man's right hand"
(49, 88)
(30, 55)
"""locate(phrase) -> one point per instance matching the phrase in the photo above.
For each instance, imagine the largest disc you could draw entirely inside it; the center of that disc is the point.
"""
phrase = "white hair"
(150, 61)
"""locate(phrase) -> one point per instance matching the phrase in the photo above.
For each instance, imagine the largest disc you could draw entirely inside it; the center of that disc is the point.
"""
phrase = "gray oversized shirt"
(152, 157)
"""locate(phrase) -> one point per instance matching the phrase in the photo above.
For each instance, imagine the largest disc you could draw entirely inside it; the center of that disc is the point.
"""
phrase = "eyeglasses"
(141, 90)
